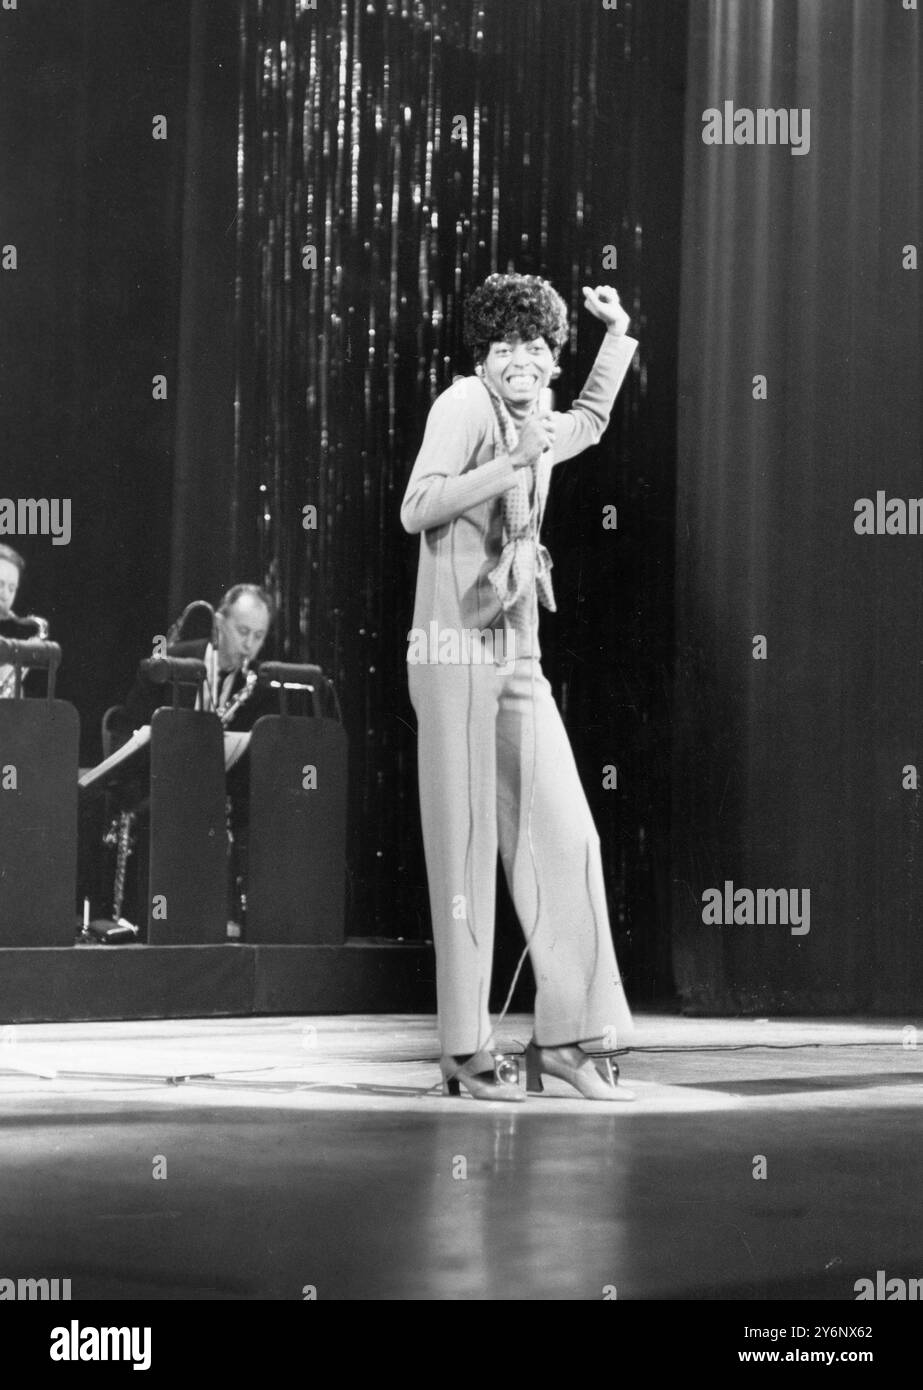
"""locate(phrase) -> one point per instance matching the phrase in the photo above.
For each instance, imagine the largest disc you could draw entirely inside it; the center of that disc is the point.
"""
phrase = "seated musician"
(241, 625)
(11, 567)
(242, 621)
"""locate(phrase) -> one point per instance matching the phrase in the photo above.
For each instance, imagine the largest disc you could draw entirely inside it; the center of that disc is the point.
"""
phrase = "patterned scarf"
(523, 559)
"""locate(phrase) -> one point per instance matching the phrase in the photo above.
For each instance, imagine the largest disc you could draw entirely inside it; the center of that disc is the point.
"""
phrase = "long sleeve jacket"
(453, 497)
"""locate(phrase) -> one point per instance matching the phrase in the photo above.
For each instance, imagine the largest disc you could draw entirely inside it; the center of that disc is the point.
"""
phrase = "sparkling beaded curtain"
(391, 154)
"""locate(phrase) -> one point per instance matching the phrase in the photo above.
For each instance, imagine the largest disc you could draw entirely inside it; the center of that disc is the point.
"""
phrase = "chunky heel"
(534, 1070)
(480, 1085)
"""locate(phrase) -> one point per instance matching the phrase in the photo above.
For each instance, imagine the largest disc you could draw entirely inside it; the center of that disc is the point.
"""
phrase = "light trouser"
(497, 771)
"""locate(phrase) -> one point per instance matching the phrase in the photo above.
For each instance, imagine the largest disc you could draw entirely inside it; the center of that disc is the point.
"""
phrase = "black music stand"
(297, 855)
(174, 778)
(39, 750)
(187, 887)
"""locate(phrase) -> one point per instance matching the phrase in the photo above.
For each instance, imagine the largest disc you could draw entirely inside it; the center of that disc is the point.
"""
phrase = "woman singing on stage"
(496, 770)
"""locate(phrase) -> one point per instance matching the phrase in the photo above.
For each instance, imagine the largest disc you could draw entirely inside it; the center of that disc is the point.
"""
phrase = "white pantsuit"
(497, 772)
(496, 769)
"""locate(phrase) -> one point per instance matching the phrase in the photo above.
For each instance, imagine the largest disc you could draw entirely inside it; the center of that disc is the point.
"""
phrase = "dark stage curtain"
(359, 224)
(203, 541)
(789, 771)
(93, 204)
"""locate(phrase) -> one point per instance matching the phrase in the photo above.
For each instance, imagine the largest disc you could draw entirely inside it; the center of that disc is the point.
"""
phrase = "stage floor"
(306, 1153)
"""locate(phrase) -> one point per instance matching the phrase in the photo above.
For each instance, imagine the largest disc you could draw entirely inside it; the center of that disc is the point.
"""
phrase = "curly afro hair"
(514, 305)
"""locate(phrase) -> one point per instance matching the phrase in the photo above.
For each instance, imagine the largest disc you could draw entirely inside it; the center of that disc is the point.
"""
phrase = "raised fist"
(605, 305)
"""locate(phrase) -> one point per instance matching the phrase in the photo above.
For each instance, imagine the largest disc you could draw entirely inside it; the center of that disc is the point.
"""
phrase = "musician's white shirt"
(209, 696)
